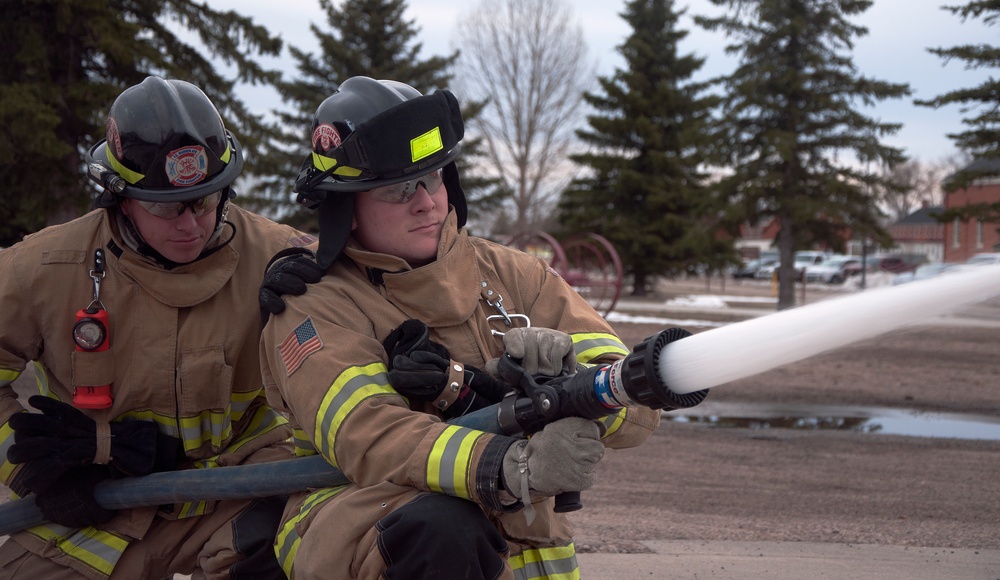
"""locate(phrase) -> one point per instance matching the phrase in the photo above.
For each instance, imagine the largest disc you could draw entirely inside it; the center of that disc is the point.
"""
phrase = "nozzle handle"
(568, 501)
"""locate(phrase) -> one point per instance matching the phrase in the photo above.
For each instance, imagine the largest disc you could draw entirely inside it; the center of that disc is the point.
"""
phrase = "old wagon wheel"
(594, 269)
(541, 245)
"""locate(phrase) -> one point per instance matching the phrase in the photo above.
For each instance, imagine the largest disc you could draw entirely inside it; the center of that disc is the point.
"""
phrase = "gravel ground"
(693, 481)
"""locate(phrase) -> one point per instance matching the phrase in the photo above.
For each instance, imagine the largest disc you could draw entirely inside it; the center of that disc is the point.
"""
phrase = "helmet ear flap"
(336, 216)
(456, 195)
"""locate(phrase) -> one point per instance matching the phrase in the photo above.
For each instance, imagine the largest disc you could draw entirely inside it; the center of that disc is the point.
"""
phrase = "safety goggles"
(172, 209)
(404, 192)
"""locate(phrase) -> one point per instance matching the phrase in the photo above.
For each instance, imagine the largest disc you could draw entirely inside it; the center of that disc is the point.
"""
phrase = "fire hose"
(670, 369)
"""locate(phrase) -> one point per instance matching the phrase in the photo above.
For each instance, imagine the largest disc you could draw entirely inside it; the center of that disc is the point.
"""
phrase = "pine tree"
(364, 38)
(65, 62)
(789, 113)
(981, 139)
(648, 142)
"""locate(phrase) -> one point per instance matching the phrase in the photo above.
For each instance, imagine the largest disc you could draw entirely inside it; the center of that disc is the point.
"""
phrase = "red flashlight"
(90, 333)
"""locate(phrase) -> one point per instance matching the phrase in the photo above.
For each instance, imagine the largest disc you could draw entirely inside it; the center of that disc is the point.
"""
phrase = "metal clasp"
(97, 274)
(507, 318)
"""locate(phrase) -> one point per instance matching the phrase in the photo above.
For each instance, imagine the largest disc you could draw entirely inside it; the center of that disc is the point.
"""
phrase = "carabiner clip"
(97, 274)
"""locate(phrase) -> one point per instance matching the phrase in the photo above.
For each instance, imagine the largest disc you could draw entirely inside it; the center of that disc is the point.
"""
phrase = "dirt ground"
(693, 481)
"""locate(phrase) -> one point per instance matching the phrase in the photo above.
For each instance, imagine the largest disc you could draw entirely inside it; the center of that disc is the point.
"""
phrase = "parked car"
(984, 259)
(923, 272)
(747, 270)
(766, 270)
(892, 263)
(832, 270)
(802, 259)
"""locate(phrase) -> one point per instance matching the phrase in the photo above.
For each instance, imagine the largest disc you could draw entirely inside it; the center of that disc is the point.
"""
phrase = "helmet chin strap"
(134, 240)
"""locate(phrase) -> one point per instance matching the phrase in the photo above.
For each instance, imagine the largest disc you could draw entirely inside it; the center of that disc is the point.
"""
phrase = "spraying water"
(721, 355)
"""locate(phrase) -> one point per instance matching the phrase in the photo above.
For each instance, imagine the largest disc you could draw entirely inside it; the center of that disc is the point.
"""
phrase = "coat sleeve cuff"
(489, 472)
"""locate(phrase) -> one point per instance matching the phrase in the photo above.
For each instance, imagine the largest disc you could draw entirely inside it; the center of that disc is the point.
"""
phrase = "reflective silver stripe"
(546, 563)
(287, 542)
(99, 550)
(6, 441)
(264, 421)
(590, 346)
(354, 385)
(448, 463)
(613, 422)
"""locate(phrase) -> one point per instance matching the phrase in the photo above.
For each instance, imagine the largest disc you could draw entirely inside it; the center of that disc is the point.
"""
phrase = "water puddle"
(876, 420)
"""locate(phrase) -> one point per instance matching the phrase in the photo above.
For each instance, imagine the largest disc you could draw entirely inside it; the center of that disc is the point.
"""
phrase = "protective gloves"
(562, 457)
(288, 272)
(70, 499)
(419, 368)
(61, 438)
(542, 351)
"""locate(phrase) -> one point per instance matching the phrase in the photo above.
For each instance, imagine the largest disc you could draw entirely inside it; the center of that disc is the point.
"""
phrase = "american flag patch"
(300, 343)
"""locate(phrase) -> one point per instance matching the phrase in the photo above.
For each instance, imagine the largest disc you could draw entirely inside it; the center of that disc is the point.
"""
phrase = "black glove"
(288, 272)
(419, 369)
(61, 438)
(70, 499)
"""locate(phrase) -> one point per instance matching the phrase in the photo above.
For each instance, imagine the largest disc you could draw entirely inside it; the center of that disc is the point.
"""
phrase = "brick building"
(920, 233)
(964, 239)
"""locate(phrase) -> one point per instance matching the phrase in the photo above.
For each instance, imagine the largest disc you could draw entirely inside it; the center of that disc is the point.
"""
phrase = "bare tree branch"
(528, 60)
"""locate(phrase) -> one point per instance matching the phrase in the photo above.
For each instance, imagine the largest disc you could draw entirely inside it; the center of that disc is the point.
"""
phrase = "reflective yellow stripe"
(613, 423)
(99, 550)
(8, 376)
(324, 163)
(557, 563)
(265, 420)
(6, 440)
(129, 175)
(41, 379)
(286, 544)
(242, 401)
(133, 177)
(210, 426)
(448, 464)
(353, 386)
(303, 444)
(591, 346)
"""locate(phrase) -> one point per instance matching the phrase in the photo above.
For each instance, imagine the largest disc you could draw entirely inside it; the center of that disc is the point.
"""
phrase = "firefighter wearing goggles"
(141, 318)
(368, 360)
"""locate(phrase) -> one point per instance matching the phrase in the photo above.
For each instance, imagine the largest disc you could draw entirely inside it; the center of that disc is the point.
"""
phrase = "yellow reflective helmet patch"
(425, 145)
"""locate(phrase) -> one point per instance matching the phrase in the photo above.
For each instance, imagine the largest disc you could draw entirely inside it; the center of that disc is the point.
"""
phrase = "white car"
(923, 272)
(832, 270)
(984, 259)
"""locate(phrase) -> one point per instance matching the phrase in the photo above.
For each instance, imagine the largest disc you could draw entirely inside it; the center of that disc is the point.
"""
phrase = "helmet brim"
(332, 184)
(99, 154)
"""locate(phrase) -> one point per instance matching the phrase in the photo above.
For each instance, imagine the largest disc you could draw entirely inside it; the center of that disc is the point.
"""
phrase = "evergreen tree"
(789, 112)
(65, 62)
(981, 139)
(648, 141)
(364, 38)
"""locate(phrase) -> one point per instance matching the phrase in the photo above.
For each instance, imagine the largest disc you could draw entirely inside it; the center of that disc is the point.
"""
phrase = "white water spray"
(718, 356)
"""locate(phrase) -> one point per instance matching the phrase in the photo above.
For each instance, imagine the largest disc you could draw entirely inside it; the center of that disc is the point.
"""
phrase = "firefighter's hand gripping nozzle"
(592, 393)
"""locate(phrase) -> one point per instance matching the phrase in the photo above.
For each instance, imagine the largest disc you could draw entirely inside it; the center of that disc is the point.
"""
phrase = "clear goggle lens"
(172, 209)
(404, 192)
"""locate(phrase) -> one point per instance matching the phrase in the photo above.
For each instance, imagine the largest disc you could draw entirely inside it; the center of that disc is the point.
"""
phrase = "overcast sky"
(900, 31)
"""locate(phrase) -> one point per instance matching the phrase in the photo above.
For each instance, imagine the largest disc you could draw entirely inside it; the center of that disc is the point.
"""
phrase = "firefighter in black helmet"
(355, 148)
(164, 374)
(369, 360)
(167, 149)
